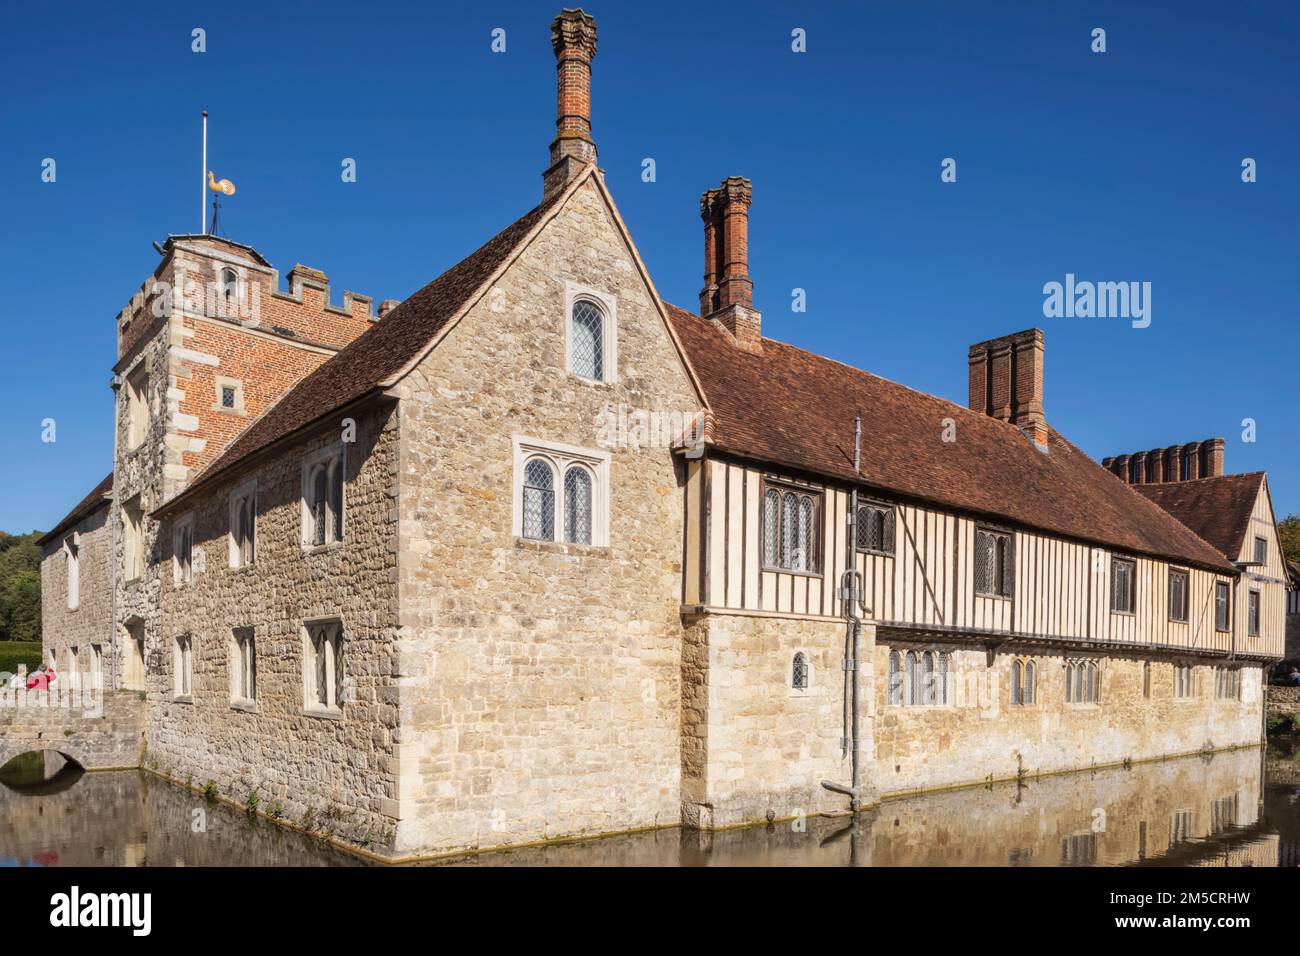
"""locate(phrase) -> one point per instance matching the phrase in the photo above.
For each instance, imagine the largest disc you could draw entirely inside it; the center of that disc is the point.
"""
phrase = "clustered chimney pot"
(1198, 459)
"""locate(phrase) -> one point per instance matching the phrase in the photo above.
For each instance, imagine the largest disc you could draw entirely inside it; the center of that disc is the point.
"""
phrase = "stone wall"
(338, 767)
(981, 736)
(540, 681)
(753, 745)
(91, 621)
(100, 731)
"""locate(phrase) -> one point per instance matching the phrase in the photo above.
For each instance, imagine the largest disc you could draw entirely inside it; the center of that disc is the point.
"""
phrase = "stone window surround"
(608, 305)
(1030, 673)
(223, 382)
(133, 555)
(1185, 682)
(235, 665)
(72, 555)
(908, 695)
(237, 495)
(560, 456)
(180, 644)
(809, 682)
(1099, 673)
(182, 572)
(327, 456)
(311, 707)
(136, 393)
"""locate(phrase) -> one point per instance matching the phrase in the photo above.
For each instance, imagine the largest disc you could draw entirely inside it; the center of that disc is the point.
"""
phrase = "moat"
(1234, 808)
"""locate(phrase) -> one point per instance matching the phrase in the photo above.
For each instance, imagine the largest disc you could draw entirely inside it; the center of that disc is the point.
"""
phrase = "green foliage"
(210, 791)
(20, 587)
(1289, 531)
(13, 653)
(1281, 723)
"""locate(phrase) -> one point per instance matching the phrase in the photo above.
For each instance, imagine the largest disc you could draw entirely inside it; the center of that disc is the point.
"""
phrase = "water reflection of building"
(1187, 812)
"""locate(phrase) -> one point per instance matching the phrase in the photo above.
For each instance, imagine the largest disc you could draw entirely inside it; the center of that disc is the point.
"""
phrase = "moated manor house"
(377, 563)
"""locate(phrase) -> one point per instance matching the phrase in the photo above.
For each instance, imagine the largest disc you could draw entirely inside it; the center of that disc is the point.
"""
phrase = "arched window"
(895, 688)
(577, 505)
(1069, 682)
(539, 500)
(913, 679)
(945, 662)
(1030, 674)
(229, 290)
(928, 688)
(799, 672)
(587, 340)
(1017, 685)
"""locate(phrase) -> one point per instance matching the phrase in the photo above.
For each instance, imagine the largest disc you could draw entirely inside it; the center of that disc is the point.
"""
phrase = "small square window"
(227, 397)
(1261, 550)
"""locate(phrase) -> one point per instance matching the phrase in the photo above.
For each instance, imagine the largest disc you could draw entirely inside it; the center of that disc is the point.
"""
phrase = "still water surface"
(1229, 809)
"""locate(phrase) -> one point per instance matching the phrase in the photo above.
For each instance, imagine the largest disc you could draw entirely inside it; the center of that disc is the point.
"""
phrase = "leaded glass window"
(994, 563)
(577, 505)
(539, 500)
(875, 529)
(799, 672)
(587, 341)
(789, 530)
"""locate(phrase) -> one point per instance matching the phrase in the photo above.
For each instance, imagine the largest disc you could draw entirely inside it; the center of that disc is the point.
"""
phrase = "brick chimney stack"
(1198, 459)
(573, 37)
(728, 293)
(1006, 381)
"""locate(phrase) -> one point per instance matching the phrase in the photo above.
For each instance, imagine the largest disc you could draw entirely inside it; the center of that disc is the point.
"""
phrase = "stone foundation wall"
(980, 735)
(338, 767)
(754, 745)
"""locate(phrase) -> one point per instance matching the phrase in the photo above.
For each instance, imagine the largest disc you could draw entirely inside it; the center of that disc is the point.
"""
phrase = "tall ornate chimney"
(728, 293)
(573, 37)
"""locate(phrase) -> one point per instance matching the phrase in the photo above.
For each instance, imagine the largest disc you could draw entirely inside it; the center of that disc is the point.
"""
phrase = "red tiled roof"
(379, 353)
(788, 406)
(99, 498)
(1218, 509)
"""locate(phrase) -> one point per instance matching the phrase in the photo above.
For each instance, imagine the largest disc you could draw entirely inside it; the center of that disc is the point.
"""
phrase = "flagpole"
(203, 173)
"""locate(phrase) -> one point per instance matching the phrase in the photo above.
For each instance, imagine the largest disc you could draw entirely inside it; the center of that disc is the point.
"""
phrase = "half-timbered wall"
(1062, 589)
(1269, 581)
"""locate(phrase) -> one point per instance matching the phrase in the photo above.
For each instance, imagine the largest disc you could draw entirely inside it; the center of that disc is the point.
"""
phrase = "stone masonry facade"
(488, 687)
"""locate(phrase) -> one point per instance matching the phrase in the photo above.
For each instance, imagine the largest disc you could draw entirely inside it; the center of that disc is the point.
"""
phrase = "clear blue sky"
(1116, 166)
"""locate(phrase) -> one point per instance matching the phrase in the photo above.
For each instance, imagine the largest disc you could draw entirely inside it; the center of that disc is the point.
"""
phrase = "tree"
(1288, 530)
(20, 587)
